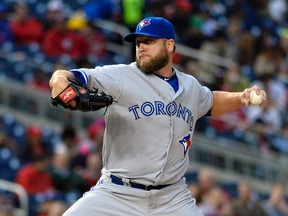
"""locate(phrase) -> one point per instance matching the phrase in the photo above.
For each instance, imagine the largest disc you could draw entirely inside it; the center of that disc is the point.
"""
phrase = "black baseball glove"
(86, 99)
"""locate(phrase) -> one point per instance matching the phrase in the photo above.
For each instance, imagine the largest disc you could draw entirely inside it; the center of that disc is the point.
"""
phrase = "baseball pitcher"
(152, 109)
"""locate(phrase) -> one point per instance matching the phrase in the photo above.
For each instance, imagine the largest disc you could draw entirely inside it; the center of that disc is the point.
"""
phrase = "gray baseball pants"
(109, 199)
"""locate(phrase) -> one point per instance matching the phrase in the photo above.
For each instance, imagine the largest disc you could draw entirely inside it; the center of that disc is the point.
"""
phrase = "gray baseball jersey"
(149, 129)
(147, 137)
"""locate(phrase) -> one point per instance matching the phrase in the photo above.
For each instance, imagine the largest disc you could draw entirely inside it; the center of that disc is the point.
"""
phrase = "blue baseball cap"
(156, 27)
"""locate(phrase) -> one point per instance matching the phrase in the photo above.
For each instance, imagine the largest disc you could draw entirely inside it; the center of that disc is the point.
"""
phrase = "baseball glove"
(86, 99)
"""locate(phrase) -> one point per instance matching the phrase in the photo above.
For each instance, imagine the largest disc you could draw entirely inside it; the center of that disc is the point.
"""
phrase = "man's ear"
(170, 45)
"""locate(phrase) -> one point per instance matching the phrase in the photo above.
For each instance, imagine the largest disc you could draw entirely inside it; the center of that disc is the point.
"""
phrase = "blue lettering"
(181, 112)
(170, 110)
(150, 109)
(189, 115)
(134, 110)
(159, 106)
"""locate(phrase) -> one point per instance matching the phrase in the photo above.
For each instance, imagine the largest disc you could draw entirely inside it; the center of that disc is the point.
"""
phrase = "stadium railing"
(20, 192)
(182, 50)
(234, 161)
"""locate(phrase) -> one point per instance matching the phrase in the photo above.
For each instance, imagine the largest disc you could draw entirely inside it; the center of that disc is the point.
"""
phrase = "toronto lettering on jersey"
(159, 108)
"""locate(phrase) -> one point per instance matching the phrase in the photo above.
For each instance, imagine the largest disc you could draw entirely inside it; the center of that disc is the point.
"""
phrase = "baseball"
(255, 99)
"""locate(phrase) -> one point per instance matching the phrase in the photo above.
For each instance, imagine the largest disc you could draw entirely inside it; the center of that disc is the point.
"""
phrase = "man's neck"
(167, 71)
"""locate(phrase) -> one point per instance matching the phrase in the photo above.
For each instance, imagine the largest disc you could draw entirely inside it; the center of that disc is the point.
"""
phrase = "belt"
(119, 181)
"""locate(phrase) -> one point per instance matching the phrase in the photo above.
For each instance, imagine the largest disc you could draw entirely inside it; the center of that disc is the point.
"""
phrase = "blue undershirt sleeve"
(80, 76)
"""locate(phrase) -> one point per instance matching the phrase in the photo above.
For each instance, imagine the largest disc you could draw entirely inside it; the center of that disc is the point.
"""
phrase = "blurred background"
(50, 157)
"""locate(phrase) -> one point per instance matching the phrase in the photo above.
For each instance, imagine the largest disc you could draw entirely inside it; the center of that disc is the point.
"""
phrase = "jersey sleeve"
(107, 78)
(199, 98)
(205, 102)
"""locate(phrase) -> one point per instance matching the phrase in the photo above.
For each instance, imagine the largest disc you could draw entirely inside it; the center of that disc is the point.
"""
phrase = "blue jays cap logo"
(156, 27)
(186, 142)
(144, 23)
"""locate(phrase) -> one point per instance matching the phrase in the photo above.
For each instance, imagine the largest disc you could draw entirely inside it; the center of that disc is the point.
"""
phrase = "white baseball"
(255, 99)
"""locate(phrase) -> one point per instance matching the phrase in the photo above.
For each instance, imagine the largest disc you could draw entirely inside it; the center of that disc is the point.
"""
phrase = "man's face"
(151, 54)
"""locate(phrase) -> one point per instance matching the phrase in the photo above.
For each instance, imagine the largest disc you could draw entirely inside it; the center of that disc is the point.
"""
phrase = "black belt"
(118, 181)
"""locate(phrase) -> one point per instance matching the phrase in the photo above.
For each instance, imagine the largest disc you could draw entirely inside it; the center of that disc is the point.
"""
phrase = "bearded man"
(149, 128)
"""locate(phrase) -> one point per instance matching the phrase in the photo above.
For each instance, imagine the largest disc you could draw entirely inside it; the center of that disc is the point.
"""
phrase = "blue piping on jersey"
(80, 75)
